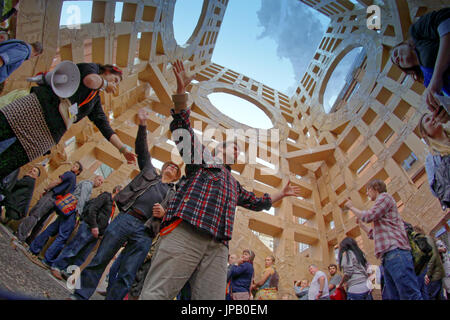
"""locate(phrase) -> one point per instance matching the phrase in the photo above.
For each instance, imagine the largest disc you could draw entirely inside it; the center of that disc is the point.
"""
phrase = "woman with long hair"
(268, 285)
(425, 56)
(435, 131)
(241, 276)
(352, 262)
(31, 125)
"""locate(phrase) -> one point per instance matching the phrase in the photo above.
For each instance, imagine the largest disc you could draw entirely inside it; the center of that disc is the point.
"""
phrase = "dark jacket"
(144, 180)
(241, 277)
(17, 201)
(98, 211)
(49, 102)
(435, 269)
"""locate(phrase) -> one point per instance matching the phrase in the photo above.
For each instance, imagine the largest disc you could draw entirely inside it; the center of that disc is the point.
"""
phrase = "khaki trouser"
(184, 255)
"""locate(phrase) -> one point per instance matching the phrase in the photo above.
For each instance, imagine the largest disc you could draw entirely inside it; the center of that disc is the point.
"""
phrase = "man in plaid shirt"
(391, 242)
(199, 220)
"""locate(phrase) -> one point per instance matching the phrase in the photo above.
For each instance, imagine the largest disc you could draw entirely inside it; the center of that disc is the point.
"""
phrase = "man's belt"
(137, 214)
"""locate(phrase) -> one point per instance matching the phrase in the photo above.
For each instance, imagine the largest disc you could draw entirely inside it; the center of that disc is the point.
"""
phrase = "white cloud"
(296, 28)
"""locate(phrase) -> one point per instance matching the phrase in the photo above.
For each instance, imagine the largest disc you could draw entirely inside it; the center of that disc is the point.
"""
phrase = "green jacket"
(435, 267)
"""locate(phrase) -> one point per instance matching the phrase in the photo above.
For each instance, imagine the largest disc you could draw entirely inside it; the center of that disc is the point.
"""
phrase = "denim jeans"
(359, 296)
(77, 251)
(114, 271)
(434, 290)
(400, 278)
(124, 228)
(421, 282)
(63, 228)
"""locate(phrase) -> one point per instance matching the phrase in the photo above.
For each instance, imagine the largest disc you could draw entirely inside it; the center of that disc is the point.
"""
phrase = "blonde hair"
(434, 145)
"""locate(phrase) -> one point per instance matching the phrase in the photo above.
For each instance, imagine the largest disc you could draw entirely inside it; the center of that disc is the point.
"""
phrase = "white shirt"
(315, 286)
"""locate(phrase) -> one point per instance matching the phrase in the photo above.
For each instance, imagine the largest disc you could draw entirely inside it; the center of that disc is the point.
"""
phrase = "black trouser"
(15, 156)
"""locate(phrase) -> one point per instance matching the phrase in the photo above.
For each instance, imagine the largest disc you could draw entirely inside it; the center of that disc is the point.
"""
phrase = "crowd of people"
(166, 235)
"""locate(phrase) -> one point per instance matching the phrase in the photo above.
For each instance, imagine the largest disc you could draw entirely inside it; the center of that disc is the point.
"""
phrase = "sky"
(271, 41)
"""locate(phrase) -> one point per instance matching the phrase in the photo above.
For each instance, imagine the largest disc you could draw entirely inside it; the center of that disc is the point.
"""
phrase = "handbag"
(66, 205)
(339, 294)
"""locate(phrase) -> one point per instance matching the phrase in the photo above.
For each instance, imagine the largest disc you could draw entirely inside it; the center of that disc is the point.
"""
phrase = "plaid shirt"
(388, 228)
(208, 195)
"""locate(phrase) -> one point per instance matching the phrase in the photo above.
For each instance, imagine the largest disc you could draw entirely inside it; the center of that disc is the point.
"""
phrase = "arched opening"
(344, 80)
(184, 27)
(240, 110)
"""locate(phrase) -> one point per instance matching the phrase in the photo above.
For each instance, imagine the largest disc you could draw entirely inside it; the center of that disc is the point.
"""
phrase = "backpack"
(421, 250)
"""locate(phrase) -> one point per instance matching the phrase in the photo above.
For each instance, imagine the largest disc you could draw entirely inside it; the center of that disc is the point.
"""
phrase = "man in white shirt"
(318, 289)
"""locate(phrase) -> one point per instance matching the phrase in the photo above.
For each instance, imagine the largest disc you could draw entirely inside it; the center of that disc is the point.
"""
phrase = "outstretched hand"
(183, 80)
(143, 116)
(290, 190)
(130, 156)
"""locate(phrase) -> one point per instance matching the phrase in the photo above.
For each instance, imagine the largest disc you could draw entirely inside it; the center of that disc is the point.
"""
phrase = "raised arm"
(141, 146)
(183, 80)
(440, 68)
(376, 212)
(188, 144)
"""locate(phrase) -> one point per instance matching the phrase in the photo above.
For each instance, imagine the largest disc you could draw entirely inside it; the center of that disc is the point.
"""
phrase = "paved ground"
(18, 275)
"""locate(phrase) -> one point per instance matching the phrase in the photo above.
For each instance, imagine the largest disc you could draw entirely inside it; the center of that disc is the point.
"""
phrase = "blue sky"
(271, 41)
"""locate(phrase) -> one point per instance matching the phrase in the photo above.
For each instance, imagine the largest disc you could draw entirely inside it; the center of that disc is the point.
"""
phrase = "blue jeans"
(124, 228)
(421, 282)
(114, 271)
(359, 296)
(77, 251)
(434, 289)
(63, 228)
(399, 275)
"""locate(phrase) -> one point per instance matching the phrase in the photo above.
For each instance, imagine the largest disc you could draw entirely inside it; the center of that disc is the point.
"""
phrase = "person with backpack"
(435, 269)
(421, 252)
(95, 219)
(46, 205)
(241, 276)
(391, 241)
(142, 204)
(268, 284)
(13, 53)
(352, 262)
(64, 224)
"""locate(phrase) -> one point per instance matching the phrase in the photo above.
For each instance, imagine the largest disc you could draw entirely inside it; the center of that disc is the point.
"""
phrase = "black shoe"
(65, 275)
